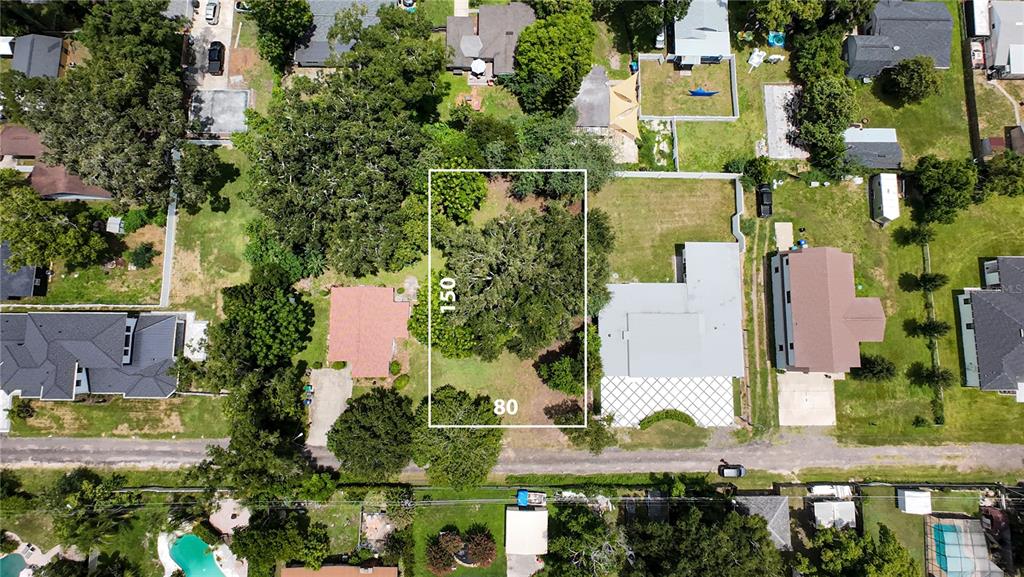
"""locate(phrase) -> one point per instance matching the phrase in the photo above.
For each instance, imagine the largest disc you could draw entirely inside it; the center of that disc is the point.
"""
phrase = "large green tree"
(779, 14)
(280, 535)
(282, 24)
(552, 142)
(827, 107)
(40, 232)
(842, 553)
(644, 19)
(552, 57)
(912, 80)
(945, 187)
(459, 457)
(372, 439)
(583, 544)
(87, 507)
(117, 119)
(1004, 174)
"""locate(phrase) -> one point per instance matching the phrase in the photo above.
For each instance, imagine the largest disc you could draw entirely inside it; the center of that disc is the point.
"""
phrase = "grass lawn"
(709, 145)
(880, 507)
(883, 413)
(178, 416)
(210, 245)
(664, 435)
(610, 52)
(496, 100)
(96, 284)
(258, 73)
(436, 11)
(937, 125)
(673, 212)
(995, 111)
(431, 519)
(342, 520)
(664, 91)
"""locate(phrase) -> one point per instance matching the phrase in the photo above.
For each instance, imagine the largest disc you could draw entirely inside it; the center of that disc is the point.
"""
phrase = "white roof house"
(703, 31)
(1005, 48)
(838, 514)
(980, 19)
(676, 345)
(914, 502)
(526, 531)
(6, 46)
(885, 197)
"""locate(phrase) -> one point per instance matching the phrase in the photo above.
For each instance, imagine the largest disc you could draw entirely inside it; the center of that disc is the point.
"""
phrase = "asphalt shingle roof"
(998, 326)
(318, 49)
(775, 510)
(909, 28)
(41, 350)
(36, 55)
(15, 283)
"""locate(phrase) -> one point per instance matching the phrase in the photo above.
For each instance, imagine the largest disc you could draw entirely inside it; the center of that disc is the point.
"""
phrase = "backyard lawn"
(664, 91)
(176, 417)
(709, 145)
(495, 100)
(209, 254)
(937, 125)
(995, 111)
(342, 520)
(674, 212)
(610, 51)
(259, 75)
(883, 413)
(436, 11)
(431, 519)
(880, 507)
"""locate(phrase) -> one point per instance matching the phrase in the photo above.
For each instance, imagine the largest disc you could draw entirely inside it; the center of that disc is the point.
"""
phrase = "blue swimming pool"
(11, 565)
(194, 557)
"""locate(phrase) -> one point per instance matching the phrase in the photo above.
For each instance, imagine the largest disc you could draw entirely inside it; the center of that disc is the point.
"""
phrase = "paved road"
(788, 453)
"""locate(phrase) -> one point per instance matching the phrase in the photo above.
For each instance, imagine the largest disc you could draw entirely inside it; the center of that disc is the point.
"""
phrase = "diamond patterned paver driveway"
(707, 399)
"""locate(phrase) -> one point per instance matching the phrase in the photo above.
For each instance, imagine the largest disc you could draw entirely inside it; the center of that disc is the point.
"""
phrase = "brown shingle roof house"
(50, 181)
(364, 327)
(819, 320)
(340, 571)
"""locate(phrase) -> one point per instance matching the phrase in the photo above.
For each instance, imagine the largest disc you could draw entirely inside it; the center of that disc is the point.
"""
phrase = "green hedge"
(666, 415)
(207, 533)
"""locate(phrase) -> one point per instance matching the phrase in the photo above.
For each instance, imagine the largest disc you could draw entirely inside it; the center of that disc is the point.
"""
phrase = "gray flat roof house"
(55, 356)
(1004, 51)
(688, 329)
(775, 510)
(36, 55)
(898, 30)
(490, 36)
(317, 49)
(16, 284)
(819, 319)
(992, 328)
(873, 147)
(702, 31)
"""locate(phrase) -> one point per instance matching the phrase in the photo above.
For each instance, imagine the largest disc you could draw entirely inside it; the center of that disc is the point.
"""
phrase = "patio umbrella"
(478, 66)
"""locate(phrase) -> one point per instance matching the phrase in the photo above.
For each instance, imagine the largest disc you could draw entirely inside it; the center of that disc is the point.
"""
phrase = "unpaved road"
(786, 454)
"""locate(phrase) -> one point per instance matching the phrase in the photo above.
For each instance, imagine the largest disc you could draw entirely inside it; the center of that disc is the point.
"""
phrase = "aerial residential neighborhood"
(479, 288)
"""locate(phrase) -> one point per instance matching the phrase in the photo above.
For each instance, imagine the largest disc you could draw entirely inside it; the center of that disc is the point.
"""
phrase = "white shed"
(115, 225)
(6, 46)
(526, 531)
(885, 197)
(838, 514)
(914, 502)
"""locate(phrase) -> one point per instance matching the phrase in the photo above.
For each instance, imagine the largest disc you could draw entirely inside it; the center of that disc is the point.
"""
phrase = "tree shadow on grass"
(909, 282)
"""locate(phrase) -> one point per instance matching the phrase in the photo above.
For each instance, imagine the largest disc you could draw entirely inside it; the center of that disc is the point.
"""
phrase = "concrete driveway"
(807, 399)
(203, 34)
(331, 392)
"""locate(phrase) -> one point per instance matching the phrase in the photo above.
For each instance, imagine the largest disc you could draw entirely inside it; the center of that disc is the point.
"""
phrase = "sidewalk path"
(788, 453)
(172, 225)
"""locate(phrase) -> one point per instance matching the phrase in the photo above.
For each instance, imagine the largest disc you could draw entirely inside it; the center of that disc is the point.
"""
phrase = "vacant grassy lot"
(431, 519)
(651, 217)
(995, 111)
(178, 416)
(709, 145)
(259, 75)
(436, 11)
(880, 507)
(883, 413)
(937, 125)
(666, 92)
(664, 435)
(342, 520)
(495, 100)
(210, 245)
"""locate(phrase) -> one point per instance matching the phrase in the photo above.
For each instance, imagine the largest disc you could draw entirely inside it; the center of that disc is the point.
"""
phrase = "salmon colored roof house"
(365, 325)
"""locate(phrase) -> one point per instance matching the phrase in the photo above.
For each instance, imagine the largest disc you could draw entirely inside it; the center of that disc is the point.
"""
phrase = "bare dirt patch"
(188, 281)
(242, 59)
(149, 233)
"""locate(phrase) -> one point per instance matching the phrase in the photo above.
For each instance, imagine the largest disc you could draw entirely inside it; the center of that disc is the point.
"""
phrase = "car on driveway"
(213, 12)
(764, 200)
(730, 471)
(216, 59)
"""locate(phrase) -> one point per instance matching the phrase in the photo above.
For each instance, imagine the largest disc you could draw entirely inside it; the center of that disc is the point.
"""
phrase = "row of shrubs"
(666, 415)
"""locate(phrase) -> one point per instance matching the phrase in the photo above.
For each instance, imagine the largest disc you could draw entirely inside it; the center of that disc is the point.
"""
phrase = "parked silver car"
(212, 12)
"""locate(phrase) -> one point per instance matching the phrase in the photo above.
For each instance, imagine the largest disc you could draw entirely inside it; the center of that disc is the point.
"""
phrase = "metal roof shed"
(914, 502)
(838, 514)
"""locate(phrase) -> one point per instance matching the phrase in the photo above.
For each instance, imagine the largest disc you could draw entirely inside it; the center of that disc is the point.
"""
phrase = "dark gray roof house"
(992, 328)
(873, 147)
(36, 55)
(491, 36)
(55, 356)
(774, 509)
(15, 284)
(317, 49)
(897, 30)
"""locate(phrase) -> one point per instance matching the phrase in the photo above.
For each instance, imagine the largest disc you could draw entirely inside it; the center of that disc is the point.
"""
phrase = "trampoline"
(777, 39)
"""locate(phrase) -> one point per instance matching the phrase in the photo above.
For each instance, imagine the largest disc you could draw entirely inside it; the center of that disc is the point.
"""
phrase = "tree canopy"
(280, 535)
(644, 19)
(583, 544)
(372, 439)
(552, 57)
(459, 457)
(945, 187)
(87, 508)
(282, 24)
(826, 109)
(1004, 174)
(912, 80)
(840, 553)
(40, 232)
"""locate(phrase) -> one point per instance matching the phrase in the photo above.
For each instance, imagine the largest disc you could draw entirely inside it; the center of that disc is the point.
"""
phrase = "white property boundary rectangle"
(430, 309)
